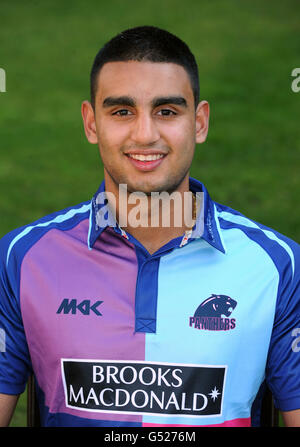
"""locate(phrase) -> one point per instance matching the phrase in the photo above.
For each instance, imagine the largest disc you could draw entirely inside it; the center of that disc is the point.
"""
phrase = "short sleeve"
(283, 365)
(15, 364)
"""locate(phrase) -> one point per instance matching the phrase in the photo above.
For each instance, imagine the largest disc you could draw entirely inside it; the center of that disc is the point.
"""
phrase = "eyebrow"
(176, 100)
(118, 101)
(111, 101)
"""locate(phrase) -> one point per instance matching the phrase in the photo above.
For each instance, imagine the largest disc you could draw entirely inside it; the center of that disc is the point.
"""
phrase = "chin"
(148, 188)
(166, 183)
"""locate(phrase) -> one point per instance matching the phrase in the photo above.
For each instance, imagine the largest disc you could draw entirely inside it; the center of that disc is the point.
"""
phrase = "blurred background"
(246, 53)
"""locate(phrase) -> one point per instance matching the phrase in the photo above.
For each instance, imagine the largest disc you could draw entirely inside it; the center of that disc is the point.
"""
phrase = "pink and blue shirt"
(118, 337)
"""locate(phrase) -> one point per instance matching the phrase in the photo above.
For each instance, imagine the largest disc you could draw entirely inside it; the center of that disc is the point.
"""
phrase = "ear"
(88, 116)
(202, 121)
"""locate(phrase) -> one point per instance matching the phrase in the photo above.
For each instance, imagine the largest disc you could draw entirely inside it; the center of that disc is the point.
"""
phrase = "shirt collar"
(207, 225)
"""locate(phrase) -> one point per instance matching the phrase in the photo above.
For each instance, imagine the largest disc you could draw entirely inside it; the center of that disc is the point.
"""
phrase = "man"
(126, 320)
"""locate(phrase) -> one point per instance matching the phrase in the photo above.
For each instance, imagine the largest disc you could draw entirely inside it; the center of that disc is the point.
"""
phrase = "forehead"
(143, 80)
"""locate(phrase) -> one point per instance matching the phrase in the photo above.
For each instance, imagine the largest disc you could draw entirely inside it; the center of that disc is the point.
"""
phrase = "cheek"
(185, 146)
(110, 138)
(180, 135)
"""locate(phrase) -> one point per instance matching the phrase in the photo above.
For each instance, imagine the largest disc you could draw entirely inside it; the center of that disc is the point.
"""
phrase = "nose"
(144, 130)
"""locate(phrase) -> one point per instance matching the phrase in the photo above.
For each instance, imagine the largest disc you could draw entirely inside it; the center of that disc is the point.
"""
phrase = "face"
(145, 125)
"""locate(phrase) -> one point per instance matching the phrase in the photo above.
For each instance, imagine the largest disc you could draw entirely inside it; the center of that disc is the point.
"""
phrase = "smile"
(146, 157)
(146, 162)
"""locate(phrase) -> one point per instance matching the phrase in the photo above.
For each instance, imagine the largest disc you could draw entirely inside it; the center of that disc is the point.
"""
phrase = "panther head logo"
(216, 306)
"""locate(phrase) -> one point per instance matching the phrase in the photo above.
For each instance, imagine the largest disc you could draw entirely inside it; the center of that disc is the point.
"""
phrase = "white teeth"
(145, 157)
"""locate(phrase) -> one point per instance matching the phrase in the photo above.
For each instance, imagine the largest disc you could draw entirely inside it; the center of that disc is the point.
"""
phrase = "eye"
(122, 112)
(166, 112)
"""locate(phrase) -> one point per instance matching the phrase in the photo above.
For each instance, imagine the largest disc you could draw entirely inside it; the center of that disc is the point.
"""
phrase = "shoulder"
(284, 251)
(17, 242)
(267, 236)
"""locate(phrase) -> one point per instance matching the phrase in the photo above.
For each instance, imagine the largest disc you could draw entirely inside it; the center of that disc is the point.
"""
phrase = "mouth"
(144, 161)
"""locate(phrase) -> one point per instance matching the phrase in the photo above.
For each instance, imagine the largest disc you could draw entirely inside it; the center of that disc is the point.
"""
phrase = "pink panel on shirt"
(241, 422)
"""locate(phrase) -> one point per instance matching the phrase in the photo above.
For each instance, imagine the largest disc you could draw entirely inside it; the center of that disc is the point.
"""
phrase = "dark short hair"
(146, 43)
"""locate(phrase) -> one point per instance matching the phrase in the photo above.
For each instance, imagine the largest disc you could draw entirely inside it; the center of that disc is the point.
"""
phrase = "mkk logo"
(212, 314)
(85, 307)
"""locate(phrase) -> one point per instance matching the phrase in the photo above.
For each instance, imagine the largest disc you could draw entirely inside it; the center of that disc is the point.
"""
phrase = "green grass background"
(246, 51)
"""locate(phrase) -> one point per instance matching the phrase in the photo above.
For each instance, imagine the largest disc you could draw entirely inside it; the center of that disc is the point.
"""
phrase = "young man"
(126, 320)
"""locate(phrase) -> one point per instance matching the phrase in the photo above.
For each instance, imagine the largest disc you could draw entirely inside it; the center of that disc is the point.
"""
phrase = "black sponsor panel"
(142, 387)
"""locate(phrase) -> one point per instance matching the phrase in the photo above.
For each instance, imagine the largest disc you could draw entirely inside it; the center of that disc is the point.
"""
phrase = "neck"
(156, 219)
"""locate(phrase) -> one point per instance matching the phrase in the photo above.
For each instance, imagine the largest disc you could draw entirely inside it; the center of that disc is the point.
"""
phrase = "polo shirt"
(118, 337)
